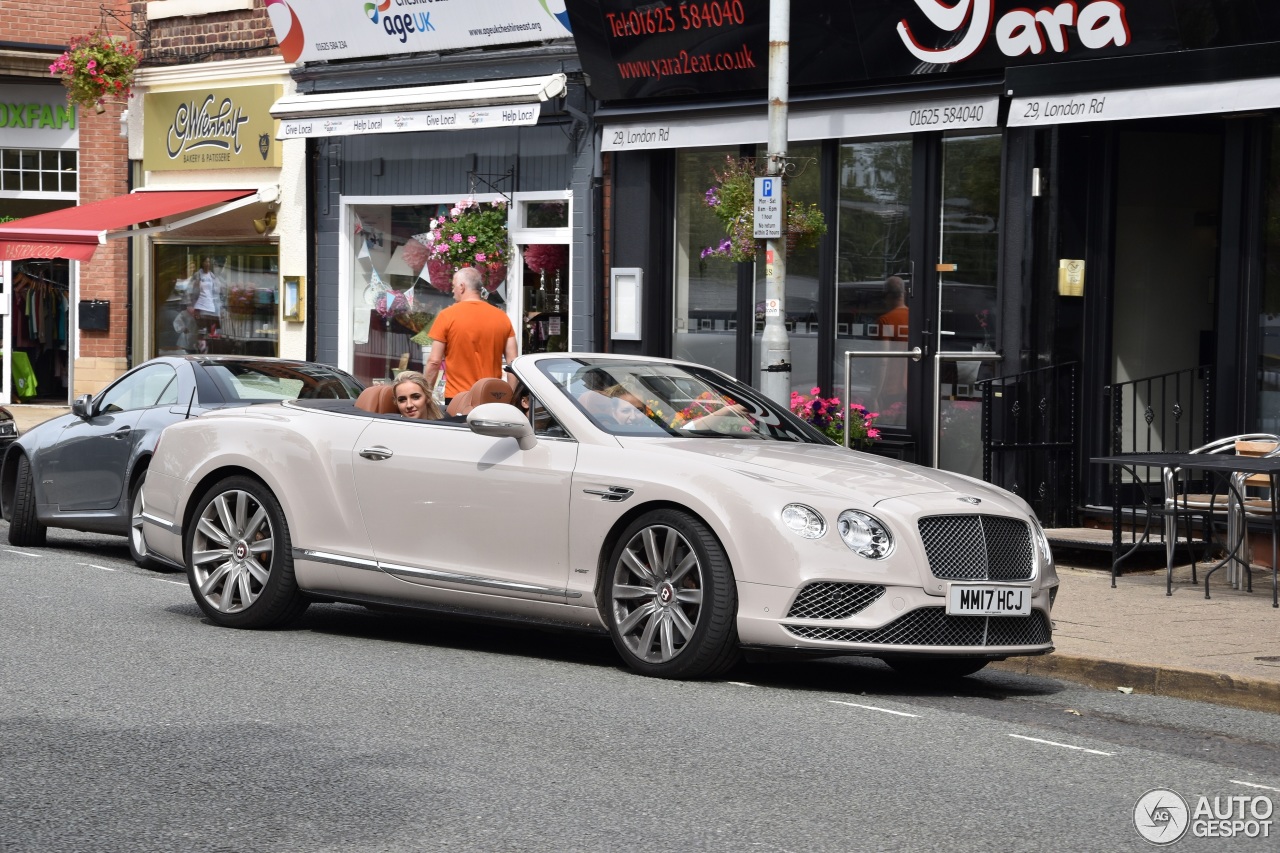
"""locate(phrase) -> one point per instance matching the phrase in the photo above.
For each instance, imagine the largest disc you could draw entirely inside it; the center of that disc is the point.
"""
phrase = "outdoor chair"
(1255, 503)
(1211, 504)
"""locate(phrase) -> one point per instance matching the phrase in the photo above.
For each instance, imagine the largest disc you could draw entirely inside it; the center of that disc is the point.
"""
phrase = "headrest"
(484, 391)
(379, 399)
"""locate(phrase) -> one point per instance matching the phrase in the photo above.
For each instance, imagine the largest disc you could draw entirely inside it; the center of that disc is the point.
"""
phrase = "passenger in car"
(413, 396)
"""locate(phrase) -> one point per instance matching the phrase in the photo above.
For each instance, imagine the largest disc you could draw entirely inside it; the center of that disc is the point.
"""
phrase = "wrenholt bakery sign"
(634, 50)
(228, 128)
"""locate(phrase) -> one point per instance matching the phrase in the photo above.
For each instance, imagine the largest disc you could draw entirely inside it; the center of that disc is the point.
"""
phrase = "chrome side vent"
(613, 494)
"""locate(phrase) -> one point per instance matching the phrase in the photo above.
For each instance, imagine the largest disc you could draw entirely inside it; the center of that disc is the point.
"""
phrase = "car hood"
(821, 468)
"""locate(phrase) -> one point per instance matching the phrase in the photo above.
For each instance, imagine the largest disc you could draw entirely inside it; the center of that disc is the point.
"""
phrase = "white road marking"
(1251, 785)
(1063, 745)
(741, 684)
(23, 553)
(95, 566)
(872, 708)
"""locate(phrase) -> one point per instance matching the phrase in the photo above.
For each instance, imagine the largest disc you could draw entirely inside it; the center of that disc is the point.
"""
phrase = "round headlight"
(865, 534)
(803, 521)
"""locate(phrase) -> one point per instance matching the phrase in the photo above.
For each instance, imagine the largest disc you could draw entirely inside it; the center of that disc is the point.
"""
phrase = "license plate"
(988, 600)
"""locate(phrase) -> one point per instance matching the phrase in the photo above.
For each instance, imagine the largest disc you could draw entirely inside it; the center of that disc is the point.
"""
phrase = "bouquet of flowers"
(95, 66)
(732, 200)
(240, 301)
(473, 234)
(828, 416)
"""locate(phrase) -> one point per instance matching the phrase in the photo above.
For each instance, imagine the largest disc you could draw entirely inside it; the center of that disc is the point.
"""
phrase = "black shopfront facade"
(1084, 195)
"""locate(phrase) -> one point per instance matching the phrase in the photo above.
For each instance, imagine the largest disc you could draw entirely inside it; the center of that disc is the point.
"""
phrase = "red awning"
(75, 232)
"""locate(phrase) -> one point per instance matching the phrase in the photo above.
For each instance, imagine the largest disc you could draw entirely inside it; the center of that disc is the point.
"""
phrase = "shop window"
(216, 299)
(397, 289)
(37, 171)
(1268, 381)
(706, 286)
(873, 264)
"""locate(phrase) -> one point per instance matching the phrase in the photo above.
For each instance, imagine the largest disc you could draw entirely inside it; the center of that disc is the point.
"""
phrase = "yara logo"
(399, 25)
(1018, 31)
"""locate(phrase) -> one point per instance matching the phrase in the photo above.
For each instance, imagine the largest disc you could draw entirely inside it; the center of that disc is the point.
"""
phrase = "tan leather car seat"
(379, 399)
(484, 391)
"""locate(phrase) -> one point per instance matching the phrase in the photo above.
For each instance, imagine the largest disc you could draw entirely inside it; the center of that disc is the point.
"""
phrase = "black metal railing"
(1167, 412)
(1029, 439)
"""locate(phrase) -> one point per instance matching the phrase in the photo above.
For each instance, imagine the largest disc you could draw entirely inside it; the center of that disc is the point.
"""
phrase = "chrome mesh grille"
(829, 600)
(931, 626)
(978, 547)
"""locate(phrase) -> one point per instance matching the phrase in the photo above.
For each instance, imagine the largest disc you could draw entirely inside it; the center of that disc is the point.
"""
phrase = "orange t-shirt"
(474, 335)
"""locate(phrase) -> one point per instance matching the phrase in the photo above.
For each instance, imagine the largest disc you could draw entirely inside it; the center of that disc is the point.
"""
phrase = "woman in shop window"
(205, 292)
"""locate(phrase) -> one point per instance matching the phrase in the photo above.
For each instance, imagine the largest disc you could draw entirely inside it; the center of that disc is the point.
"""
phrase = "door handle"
(376, 453)
(121, 433)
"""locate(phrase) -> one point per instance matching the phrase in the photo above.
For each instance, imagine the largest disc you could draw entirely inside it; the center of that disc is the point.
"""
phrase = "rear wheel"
(24, 529)
(671, 604)
(936, 669)
(137, 539)
(240, 558)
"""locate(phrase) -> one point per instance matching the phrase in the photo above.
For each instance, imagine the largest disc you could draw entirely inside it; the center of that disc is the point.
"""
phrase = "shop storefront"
(39, 173)
(967, 157)
(214, 281)
(406, 150)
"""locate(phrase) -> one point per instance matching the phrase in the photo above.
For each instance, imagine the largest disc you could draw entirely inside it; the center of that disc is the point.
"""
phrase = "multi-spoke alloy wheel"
(137, 537)
(238, 557)
(671, 600)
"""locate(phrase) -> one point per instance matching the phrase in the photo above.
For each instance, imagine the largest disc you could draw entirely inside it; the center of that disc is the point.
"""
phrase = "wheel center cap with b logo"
(241, 550)
(666, 594)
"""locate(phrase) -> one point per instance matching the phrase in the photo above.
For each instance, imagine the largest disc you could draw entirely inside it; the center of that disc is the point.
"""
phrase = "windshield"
(252, 381)
(653, 399)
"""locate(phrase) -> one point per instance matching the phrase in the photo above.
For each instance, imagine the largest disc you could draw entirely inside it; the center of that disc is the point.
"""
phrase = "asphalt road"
(128, 723)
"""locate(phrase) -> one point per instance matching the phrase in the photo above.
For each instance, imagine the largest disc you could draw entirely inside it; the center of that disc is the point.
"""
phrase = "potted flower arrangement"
(732, 200)
(828, 416)
(473, 234)
(95, 67)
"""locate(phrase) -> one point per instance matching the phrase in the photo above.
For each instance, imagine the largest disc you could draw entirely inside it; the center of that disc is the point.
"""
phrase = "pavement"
(1134, 638)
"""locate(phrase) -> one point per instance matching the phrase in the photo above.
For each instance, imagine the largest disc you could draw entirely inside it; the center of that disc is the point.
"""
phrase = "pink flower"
(481, 257)
(815, 391)
(455, 212)
(457, 238)
(471, 238)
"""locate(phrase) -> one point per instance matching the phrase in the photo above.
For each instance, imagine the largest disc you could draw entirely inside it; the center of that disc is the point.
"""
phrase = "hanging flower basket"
(472, 234)
(732, 199)
(96, 67)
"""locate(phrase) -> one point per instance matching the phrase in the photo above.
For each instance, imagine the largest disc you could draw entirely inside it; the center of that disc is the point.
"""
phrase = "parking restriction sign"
(768, 213)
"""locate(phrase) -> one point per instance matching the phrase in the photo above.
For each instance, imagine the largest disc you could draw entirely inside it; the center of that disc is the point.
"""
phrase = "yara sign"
(1018, 31)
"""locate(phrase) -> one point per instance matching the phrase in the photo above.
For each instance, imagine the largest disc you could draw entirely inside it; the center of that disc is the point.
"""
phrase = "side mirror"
(502, 420)
(83, 406)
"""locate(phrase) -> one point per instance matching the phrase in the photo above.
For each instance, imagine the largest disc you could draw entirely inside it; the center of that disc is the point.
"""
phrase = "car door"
(86, 467)
(450, 508)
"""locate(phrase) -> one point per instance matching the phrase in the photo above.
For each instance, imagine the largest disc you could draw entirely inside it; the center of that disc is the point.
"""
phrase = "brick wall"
(218, 36)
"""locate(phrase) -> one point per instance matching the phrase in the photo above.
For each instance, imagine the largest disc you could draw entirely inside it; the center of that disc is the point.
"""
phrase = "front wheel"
(671, 604)
(240, 559)
(936, 669)
(25, 530)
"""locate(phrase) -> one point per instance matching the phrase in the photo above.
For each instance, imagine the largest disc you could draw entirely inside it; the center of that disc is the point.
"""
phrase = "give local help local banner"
(345, 29)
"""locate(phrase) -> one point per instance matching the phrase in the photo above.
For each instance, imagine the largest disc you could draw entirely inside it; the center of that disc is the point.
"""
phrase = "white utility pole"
(775, 346)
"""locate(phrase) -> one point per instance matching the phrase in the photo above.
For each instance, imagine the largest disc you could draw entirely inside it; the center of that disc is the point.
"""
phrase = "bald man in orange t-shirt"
(473, 335)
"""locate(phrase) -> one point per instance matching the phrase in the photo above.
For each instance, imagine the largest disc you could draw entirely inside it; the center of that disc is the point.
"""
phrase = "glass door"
(967, 300)
(538, 287)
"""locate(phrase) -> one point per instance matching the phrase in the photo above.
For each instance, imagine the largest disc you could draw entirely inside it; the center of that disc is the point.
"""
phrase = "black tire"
(240, 559)
(24, 530)
(137, 539)
(936, 669)
(669, 598)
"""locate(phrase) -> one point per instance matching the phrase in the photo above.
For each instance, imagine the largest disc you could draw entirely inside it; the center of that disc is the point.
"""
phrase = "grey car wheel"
(671, 601)
(239, 557)
(24, 529)
(137, 538)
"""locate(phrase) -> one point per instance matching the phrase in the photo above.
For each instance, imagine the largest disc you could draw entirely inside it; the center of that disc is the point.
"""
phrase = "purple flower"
(713, 197)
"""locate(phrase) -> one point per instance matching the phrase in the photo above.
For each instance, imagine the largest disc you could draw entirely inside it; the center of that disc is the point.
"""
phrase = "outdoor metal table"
(1224, 465)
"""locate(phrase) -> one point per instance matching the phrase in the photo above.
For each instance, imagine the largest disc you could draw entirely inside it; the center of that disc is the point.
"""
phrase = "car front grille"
(829, 600)
(931, 626)
(978, 547)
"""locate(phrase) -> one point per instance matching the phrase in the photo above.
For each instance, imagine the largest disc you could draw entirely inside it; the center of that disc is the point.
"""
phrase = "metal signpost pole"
(775, 347)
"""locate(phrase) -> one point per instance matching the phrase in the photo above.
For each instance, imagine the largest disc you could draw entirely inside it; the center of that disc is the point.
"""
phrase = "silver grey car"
(661, 502)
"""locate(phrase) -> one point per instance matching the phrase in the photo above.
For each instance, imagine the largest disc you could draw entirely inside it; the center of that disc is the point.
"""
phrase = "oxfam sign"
(37, 117)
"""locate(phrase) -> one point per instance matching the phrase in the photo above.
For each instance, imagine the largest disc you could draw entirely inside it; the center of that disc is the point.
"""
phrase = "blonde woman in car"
(413, 397)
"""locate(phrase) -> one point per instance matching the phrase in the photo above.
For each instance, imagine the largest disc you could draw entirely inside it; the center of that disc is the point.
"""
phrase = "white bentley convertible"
(659, 501)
